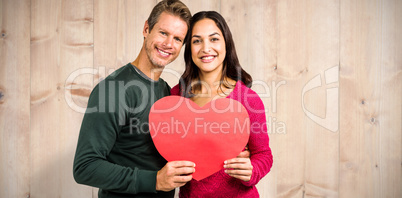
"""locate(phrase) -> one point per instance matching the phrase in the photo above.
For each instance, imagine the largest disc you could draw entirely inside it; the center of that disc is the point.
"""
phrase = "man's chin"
(160, 64)
(156, 61)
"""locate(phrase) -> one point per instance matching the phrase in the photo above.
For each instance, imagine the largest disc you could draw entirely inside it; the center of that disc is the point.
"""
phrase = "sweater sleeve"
(98, 134)
(260, 152)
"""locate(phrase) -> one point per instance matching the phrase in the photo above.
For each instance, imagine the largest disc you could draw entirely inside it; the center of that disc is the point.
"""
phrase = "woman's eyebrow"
(215, 33)
(198, 36)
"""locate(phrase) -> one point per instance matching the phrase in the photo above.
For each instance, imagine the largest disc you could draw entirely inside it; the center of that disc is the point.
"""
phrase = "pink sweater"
(222, 185)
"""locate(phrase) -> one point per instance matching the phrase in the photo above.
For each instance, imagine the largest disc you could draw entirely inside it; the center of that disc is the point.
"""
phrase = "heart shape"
(207, 136)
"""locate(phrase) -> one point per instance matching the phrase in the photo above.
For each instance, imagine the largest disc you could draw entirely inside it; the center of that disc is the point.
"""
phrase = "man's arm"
(98, 134)
(97, 137)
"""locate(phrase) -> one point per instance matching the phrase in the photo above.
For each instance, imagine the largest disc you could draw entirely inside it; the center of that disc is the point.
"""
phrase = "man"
(115, 151)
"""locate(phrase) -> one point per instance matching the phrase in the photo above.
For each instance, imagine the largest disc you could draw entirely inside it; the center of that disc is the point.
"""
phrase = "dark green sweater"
(115, 151)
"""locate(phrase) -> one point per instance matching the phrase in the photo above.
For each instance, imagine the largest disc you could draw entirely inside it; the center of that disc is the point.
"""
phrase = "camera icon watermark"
(331, 119)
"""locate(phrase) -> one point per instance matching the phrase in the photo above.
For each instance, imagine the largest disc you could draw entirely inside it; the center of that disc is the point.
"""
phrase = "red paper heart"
(207, 136)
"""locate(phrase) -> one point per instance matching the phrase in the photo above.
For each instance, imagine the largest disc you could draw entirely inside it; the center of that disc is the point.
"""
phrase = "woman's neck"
(209, 82)
(211, 87)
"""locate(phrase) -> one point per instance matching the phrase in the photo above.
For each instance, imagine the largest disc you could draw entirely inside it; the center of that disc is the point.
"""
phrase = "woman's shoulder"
(243, 91)
(246, 95)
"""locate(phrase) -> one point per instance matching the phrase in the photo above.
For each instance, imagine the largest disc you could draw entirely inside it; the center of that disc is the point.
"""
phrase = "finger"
(184, 170)
(177, 164)
(243, 166)
(178, 185)
(239, 172)
(182, 179)
(237, 160)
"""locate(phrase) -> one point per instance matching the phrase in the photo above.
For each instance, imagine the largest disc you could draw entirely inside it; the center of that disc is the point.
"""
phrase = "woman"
(213, 71)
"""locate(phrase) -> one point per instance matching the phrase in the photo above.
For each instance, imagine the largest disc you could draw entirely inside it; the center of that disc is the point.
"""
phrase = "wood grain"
(390, 107)
(14, 98)
(370, 155)
(52, 54)
(308, 46)
(61, 44)
(118, 33)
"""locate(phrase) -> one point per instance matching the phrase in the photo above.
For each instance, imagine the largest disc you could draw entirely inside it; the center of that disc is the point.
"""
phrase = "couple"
(125, 163)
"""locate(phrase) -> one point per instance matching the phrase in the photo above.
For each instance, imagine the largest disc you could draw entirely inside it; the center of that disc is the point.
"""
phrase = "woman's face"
(208, 49)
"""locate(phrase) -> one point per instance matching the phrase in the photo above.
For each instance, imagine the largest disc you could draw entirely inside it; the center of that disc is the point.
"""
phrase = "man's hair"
(174, 7)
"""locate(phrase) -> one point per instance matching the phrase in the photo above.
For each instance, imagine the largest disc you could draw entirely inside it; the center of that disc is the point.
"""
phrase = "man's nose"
(168, 41)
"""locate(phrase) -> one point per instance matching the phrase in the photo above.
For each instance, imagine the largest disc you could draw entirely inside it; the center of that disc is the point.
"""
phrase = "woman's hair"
(190, 81)
(174, 7)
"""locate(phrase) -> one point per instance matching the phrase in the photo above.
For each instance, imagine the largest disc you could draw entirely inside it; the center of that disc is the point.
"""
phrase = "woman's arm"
(261, 155)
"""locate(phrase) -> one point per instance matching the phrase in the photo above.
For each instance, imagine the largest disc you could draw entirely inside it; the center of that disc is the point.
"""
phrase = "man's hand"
(245, 153)
(174, 174)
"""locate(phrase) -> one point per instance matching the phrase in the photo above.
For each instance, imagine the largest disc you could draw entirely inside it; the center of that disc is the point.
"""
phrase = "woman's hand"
(239, 167)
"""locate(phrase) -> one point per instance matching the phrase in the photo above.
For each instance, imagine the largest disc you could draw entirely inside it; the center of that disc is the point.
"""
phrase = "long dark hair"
(231, 65)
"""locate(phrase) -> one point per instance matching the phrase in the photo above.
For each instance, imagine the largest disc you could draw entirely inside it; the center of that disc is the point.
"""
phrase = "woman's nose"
(206, 48)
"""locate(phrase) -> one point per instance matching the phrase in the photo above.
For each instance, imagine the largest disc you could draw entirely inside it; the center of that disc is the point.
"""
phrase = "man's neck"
(145, 66)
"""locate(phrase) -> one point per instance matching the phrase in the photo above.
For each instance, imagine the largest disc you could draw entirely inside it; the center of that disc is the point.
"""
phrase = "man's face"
(164, 42)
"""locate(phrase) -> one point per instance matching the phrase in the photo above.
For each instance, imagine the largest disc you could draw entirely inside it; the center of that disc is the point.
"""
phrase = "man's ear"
(145, 32)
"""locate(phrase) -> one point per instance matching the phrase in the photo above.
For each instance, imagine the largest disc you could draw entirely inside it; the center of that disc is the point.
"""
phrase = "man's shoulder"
(123, 73)
(123, 76)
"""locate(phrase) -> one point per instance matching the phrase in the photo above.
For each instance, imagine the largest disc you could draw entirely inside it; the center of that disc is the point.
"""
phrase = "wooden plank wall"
(14, 98)
(307, 46)
(371, 89)
(61, 44)
(329, 73)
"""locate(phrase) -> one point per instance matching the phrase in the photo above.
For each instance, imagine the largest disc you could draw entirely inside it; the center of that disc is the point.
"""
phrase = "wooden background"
(329, 73)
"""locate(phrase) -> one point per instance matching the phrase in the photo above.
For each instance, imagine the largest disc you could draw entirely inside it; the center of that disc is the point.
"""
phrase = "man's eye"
(178, 40)
(163, 33)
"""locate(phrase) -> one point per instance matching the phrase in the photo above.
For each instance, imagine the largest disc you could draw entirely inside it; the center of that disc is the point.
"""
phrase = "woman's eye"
(214, 39)
(196, 41)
